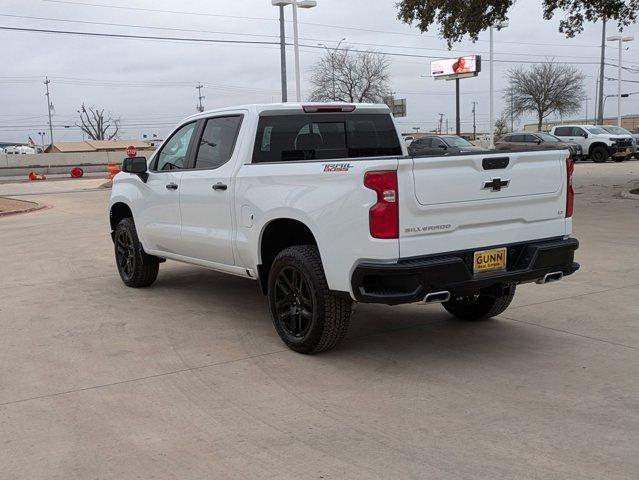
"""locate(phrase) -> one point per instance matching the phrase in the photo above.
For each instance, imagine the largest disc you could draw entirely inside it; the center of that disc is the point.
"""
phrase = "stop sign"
(131, 151)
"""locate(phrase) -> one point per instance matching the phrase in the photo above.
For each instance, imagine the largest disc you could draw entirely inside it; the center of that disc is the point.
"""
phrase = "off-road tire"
(328, 319)
(599, 154)
(138, 269)
(480, 306)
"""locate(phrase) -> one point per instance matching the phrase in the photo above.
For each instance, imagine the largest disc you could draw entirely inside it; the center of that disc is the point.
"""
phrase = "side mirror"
(585, 135)
(538, 142)
(136, 166)
(443, 147)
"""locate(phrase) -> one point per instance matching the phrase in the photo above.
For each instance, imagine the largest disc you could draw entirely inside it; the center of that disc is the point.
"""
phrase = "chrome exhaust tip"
(551, 277)
(437, 297)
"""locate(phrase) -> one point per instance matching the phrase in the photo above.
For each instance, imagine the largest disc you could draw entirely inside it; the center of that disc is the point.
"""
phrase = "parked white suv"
(321, 205)
(595, 142)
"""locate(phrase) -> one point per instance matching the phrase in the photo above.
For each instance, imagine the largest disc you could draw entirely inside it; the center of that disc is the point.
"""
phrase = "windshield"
(546, 137)
(616, 130)
(457, 141)
(596, 130)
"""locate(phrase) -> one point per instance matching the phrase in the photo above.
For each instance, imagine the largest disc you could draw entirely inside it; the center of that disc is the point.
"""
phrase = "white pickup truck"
(322, 206)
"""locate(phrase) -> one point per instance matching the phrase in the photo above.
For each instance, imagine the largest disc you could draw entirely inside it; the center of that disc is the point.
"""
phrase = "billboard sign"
(451, 68)
(396, 105)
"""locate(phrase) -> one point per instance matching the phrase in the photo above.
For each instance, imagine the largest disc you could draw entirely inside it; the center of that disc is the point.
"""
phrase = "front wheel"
(308, 317)
(479, 306)
(599, 154)
(137, 268)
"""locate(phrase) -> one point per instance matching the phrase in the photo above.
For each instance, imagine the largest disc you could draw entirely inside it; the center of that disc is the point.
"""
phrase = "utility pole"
(283, 55)
(474, 122)
(600, 112)
(446, 126)
(200, 97)
(441, 119)
(49, 106)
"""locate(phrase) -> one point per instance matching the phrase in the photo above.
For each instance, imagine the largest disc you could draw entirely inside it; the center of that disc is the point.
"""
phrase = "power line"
(341, 27)
(407, 47)
(240, 42)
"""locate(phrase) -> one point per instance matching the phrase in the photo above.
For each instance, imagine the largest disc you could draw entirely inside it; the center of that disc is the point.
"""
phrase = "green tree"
(457, 18)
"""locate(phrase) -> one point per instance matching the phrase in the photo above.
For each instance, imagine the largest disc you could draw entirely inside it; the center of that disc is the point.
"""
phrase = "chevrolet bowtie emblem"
(496, 184)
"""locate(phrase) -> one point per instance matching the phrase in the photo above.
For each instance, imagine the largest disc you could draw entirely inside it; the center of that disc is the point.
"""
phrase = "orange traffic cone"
(36, 176)
(112, 170)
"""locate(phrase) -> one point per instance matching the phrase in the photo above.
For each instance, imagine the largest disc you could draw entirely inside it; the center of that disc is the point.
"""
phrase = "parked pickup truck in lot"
(322, 206)
(595, 142)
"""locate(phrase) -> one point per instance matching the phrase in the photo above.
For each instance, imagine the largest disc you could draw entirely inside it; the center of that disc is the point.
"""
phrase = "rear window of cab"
(282, 138)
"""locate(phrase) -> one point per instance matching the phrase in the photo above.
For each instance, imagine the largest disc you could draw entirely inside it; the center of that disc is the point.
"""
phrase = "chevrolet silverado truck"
(322, 206)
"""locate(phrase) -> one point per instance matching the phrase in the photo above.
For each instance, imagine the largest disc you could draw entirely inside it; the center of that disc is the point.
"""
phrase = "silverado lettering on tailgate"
(428, 229)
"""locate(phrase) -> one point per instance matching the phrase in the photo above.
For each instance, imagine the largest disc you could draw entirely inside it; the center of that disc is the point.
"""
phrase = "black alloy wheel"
(293, 302)
(125, 254)
(136, 268)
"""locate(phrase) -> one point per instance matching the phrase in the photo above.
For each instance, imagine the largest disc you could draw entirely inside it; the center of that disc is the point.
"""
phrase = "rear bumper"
(410, 280)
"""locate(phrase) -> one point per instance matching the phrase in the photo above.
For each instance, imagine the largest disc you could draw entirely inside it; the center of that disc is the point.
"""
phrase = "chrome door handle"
(219, 186)
(172, 186)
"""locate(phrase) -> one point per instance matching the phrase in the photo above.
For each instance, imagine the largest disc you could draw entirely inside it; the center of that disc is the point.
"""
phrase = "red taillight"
(570, 192)
(384, 215)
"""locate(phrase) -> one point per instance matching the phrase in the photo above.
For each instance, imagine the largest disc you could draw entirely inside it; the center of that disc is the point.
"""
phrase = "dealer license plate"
(488, 260)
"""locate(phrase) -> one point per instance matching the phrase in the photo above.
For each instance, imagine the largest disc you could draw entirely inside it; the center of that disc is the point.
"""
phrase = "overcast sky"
(150, 84)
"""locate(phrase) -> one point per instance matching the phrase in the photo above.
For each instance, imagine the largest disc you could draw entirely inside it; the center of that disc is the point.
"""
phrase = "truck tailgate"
(472, 201)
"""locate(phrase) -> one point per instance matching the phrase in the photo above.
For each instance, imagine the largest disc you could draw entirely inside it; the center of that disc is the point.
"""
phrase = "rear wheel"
(308, 317)
(599, 154)
(479, 306)
(136, 268)
(621, 159)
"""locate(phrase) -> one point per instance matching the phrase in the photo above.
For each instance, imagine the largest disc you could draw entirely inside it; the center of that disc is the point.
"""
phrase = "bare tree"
(96, 126)
(345, 76)
(544, 89)
(501, 125)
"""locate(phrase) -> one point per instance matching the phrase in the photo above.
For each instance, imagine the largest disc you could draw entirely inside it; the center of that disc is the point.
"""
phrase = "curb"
(27, 210)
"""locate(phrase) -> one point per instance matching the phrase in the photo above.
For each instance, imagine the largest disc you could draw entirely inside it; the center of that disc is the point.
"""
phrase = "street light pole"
(620, 39)
(296, 47)
(491, 115)
(283, 55)
(498, 26)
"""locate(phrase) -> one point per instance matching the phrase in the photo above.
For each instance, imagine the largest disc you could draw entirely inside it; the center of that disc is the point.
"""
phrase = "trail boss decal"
(337, 167)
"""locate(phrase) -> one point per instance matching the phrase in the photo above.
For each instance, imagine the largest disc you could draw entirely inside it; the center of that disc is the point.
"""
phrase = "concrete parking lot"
(188, 379)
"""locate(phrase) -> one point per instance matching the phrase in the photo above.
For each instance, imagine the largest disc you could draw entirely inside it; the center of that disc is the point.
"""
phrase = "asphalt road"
(188, 379)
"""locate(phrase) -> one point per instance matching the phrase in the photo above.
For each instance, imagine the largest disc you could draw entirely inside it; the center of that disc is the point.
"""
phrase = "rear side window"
(217, 142)
(517, 138)
(423, 142)
(282, 138)
(563, 131)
